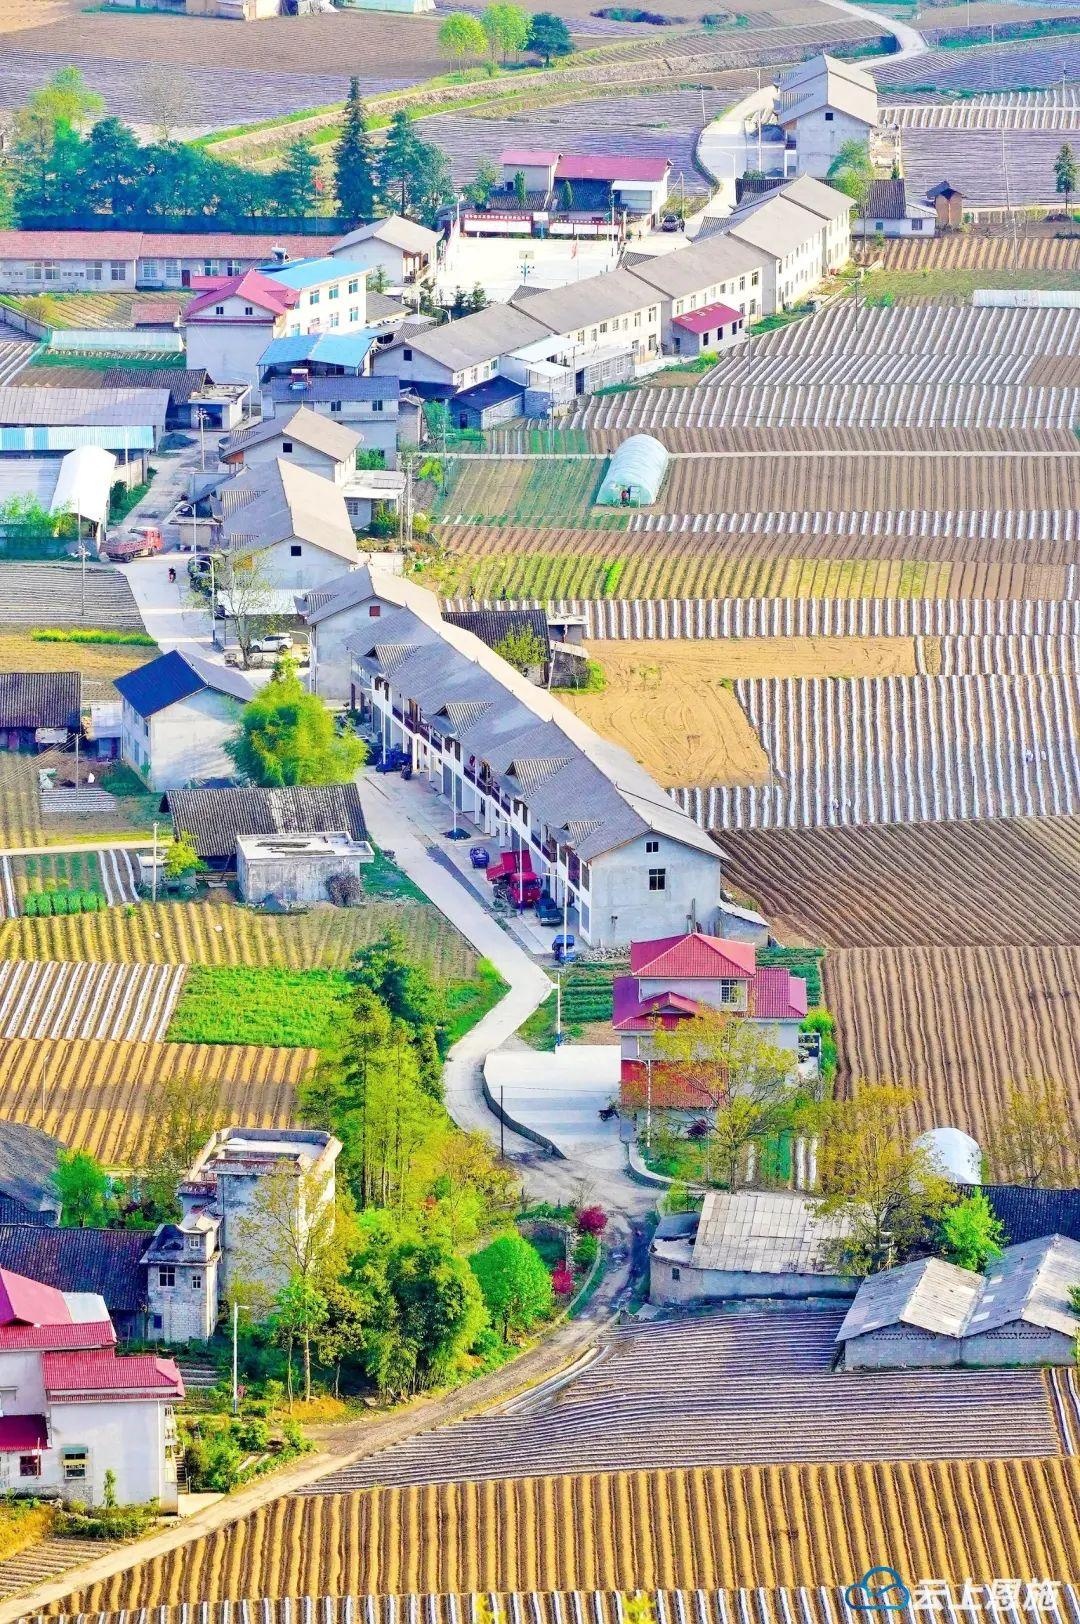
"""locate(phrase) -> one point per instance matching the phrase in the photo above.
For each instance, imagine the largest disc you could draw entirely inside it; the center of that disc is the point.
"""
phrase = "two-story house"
(72, 1409)
(177, 713)
(674, 978)
(293, 521)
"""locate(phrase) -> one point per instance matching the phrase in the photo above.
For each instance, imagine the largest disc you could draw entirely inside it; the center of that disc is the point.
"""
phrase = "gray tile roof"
(474, 339)
(699, 265)
(503, 719)
(214, 817)
(27, 1164)
(83, 408)
(762, 1232)
(310, 428)
(580, 304)
(1028, 1284)
(279, 500)
(40, 699)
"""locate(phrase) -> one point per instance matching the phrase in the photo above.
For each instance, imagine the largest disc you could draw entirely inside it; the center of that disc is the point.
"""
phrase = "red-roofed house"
(713, 327)
(231, 320)
(72, 1409)
(118, 261)
(675, 978)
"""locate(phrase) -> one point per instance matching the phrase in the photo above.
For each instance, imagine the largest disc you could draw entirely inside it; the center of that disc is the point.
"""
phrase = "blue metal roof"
(135, 437)
(312, 273)
(150, 688)
(334, 349)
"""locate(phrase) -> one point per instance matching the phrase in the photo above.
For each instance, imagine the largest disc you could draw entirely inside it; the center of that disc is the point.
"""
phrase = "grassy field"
(222, 933)
(521, 490)
(955, 286)
(288, 1009)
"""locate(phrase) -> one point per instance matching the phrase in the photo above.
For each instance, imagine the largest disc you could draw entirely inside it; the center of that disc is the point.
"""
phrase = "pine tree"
(298, 179)
(398, 167)
(354, 162)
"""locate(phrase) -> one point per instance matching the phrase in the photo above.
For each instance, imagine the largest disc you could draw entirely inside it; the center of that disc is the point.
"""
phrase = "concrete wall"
(895, 228)
(229, 351)
(293, 879)
(417, 368)
(716, 1285)
(185, 741)
(1026, 1345)
(305, 456)
(619, 885)
(188, 1311)
(311, 566)
(905, 1347)
(818, 139)
(128, 1438)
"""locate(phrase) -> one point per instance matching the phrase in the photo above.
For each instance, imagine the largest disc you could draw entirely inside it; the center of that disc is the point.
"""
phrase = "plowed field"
(1010, 882)
(769, 554)
(20, 803)
(700, 1528)
(958, 1025)
(100, 1096)
(667, 703)
(971, 251)
(218, 933)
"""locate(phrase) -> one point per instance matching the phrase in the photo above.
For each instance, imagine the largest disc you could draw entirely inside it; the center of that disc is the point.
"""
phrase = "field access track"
(960, 1026)
(726, 1389)
(904, 750)
(701, 1529)
(979, 883)
(50, 1000)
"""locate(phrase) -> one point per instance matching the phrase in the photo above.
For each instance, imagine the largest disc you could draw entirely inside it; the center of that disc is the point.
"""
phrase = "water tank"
(954, 1153)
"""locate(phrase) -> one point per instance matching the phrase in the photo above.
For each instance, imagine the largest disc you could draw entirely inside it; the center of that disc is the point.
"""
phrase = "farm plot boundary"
(628, 1530)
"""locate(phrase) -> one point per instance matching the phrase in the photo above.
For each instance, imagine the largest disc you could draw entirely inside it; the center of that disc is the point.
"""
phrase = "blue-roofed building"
(319, 352)
(177, 713)
(331, 296)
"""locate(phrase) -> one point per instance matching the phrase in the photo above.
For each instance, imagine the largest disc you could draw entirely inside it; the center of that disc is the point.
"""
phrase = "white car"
(273, 643)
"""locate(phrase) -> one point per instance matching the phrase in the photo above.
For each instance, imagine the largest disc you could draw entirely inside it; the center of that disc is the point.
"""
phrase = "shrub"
(592, 1220)
(586, 1251)
(90, 634)
(252, 1434)
(562, 1280)
(345, 890)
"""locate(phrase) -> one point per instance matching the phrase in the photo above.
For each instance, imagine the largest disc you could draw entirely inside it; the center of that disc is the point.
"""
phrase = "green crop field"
(59, 871)
(524, 490)
(285, 1009)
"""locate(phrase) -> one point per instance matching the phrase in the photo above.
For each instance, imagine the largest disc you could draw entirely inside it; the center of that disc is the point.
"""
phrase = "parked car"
(671, 222)
(564, 949)
(392, 761)
(272, 643)
(479, 856)
(142, 543)
(548, 911)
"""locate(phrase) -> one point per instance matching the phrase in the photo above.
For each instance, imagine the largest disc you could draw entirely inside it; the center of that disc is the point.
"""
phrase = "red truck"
(513, 877)
(141, 543)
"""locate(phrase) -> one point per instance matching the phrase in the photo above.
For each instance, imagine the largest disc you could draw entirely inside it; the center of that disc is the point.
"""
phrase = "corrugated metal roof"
(760, 1232)
(331, 349)
(70, 439)
(82, 408)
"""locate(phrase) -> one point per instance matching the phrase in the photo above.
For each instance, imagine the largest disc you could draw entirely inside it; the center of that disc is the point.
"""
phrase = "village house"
(831, 207)
(329, 373)
(217, 818)
(291, 869)
(331, 296)
(716, 272)
(294, 522)
(600, 833)
(178, 711)
(438, 362)
(120, 261)
(405, 253)
(890, 212)
(38, 708)
(746, 1244)
(309, 441)
(599, 330)
(222, 1186)
(181, 1266)
(931, 1313)
(790, 240)
(75, 1410)
(107, 1262)
(571, 194)
(819, 105)
(127, 422)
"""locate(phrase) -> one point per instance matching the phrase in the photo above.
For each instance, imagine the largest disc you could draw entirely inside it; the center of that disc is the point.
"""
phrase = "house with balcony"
(405, 253)
(819, 105)
(73, 1408)
(523, 768)
(675, 978)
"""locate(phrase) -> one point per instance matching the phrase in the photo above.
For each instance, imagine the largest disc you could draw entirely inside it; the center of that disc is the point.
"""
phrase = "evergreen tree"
(1065, 173)
(297, 180)
(113, 168)
(354, 162)
(549, 36)
(398, 168)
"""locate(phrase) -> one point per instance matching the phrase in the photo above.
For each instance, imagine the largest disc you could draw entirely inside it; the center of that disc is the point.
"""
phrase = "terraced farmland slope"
(220, 933)
(100, 1095)
(905, 750)
(977, 250)
(51, 595)
(1007, 881)
(958, 1025)
(728, 1389)
(697, 1529)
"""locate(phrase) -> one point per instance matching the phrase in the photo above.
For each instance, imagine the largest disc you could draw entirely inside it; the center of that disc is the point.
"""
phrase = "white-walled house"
(231, 321)
(790, 240)
(440, 361)
(819, 105)
(73, 1409)
(305, 438)
(292, 520)
(331, 297)
(834, 210)
(177, 713)
(891, 213)
(405, 252)
(118, 261)
(715, 270)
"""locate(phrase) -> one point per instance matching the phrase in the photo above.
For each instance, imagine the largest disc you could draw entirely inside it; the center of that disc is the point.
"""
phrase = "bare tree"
(166, 95)
(250, 597)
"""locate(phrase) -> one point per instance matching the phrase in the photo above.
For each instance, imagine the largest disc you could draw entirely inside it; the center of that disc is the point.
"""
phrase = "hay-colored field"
(223, 933)
(667, 704)
(703, 1528)
(100, 1094)
(20, 803)
(99, 663)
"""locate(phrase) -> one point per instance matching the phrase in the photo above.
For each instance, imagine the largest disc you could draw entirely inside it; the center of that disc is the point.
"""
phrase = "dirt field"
(683, 727)
(980, 883)
(99, 663)
(696, 1529)
(99, 1095)
(20, 804)
(958, 1025)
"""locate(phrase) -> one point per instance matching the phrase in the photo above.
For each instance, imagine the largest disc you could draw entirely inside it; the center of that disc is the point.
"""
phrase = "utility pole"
(84, 553)
(235, 1338)
(558, 1009)
(153, 879)
(648, 1102)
